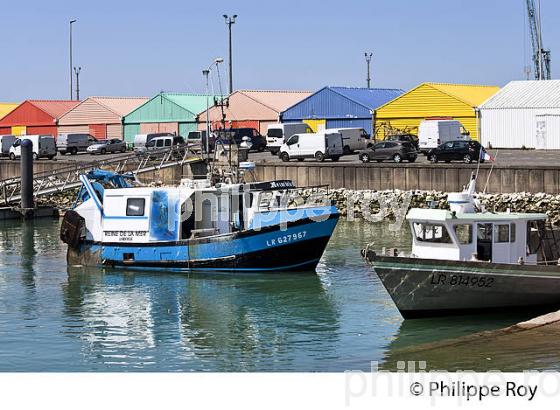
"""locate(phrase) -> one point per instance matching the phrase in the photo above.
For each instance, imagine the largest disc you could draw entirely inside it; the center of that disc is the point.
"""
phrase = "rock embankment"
(388, 204)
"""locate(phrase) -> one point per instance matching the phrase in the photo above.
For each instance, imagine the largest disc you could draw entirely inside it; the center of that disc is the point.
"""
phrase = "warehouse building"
(252, 109)
(99, 116)
(35, 117)
(340, 107)
(433, 100)
(523, 114)
(5, 108)
(166, 112)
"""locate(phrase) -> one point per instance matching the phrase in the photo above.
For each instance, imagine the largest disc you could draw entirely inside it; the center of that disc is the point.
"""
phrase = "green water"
(57, 319)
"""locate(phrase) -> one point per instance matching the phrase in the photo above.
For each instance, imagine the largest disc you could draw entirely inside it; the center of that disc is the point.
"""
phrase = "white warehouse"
(522, 114)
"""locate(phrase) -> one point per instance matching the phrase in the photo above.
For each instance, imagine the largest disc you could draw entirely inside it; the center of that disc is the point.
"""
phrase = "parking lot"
(502, 157)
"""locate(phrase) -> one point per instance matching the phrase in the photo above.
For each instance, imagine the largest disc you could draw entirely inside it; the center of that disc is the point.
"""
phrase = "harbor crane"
(541, 57)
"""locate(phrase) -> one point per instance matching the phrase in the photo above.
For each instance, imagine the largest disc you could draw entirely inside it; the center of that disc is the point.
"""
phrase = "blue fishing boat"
(196, 226)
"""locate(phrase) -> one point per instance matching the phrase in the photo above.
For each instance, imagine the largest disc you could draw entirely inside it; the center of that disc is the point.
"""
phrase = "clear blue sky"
(141, 47)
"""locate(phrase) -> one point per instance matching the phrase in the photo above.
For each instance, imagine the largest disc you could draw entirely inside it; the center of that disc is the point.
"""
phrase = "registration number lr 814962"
(284, 239)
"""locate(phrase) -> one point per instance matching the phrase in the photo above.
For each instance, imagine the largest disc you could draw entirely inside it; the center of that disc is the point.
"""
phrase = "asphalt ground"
(502, 157)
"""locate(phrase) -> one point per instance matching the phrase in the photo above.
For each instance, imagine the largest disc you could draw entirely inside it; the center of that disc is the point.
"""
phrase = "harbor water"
(56, 318)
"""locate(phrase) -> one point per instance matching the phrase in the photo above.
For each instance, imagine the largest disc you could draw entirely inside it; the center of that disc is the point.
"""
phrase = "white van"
(277, 134)
(44, 146)
(140, 140)
(319, 145)
(353, 139)
(433, 133)
(6, 142)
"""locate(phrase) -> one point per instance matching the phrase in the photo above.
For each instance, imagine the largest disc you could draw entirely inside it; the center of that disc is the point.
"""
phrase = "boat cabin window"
(501, 233)
(432, 233)
(464, 233)
(135, 206)
(533, 239)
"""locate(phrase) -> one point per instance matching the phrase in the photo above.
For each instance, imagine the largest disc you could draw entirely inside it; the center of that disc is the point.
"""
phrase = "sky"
(138, 48)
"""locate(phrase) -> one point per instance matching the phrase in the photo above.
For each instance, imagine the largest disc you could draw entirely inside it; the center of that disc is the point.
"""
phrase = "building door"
(98, 131)
(316, 125)
(540, 140)
(19, 130)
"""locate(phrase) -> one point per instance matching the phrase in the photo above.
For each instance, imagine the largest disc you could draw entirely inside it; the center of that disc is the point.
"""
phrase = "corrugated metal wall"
(511, 128)
(73, 129)
(186, 127)
(325, 104)
(316, 125)
(42, 130)
(423, 102)
(89, 112)
(99, 131)
(366, 124)
(130, 130)
(114, 131)
(154, 127)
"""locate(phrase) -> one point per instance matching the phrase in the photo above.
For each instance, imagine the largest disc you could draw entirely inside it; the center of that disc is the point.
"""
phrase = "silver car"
(104, 147)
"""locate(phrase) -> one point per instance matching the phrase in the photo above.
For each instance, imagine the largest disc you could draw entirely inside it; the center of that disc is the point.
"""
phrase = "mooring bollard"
(27, 176)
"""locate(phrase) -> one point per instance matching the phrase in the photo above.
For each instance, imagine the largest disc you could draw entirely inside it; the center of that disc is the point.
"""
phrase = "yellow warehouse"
(428, 100)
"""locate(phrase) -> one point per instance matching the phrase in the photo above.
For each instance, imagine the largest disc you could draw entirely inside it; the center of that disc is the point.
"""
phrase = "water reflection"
(215, 322)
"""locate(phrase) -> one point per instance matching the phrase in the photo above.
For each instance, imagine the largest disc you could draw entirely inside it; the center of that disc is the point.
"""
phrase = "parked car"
(413, 139)
(278, 133)
(6, 142)
(257, 140)
(353, 139)
(103, 147)
(140, 140)
(434, 132)
(74, 143)
(159, 143)
(466, 151)
(44, 146)
(320, 145)
(396, 151)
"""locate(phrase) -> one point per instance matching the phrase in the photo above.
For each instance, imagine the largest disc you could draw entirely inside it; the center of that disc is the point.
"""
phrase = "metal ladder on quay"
(68, 177)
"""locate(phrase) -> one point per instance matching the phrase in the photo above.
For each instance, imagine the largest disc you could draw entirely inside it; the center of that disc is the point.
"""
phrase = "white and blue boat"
(196, 226)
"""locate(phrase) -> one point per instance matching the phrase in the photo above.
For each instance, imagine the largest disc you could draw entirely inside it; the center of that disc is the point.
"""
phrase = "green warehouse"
(166, 112)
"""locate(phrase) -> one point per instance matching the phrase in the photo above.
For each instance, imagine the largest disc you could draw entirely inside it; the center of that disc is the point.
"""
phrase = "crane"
(541, 57)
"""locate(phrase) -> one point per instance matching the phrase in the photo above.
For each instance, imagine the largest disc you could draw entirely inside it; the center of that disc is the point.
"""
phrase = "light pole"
(77, 72)
(368, 61)
(71, 87)
(229, 22)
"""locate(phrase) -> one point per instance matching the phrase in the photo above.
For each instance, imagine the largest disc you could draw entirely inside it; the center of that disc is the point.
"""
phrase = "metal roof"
(526, 94)
(278, 100)
(6, 108)
(120, 105)
(472, 94)
(55, 108)
(370, 98)
(194, 103)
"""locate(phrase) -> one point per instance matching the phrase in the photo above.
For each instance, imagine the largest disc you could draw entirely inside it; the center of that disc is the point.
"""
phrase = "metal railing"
(66, 178)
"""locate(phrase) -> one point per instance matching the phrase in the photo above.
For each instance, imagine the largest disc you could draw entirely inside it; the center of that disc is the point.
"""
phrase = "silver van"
(6, 141)
(74, 143)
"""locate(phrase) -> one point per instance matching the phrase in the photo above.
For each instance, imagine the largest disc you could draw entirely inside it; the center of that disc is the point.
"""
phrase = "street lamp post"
(77, 72)
(71, 66)
(368, 61)
(229, 22)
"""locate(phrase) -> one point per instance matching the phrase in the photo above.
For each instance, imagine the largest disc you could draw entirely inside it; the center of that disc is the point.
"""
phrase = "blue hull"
(298, 247)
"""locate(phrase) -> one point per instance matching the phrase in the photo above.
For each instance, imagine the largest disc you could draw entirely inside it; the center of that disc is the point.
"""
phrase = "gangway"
(68, 177)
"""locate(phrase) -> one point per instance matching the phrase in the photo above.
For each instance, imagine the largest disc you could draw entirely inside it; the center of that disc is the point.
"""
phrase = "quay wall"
(385, 176)
(411, 177)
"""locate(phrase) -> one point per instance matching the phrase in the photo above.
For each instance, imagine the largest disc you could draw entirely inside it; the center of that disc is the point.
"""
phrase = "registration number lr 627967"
(284, 239)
